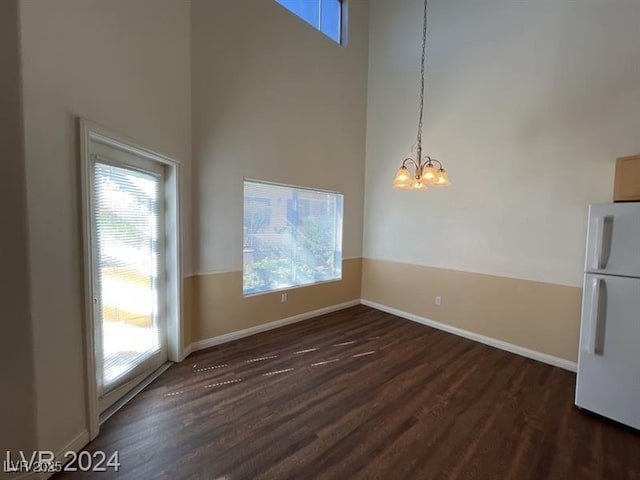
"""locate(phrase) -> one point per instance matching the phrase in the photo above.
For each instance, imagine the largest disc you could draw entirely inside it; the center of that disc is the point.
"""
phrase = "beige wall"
(121, 64)
(17, 402)
(527, 104)
(127, 65)
(274, 100)
(543, 95)
(220, 308)
(539, 316)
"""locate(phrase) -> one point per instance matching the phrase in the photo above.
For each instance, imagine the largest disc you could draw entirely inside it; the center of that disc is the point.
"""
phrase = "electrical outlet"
(438, 300)
(284, 297)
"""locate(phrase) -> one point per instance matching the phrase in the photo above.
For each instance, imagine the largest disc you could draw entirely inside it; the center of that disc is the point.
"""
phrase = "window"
(128, 216)
(292, 236)
(324, 15)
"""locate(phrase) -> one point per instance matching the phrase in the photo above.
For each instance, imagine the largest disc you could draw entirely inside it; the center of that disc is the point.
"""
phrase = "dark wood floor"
(363, 394)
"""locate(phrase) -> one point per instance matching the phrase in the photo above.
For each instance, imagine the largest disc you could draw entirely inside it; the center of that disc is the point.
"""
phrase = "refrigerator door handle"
(595, 320)
(597, 242)
(602, 234)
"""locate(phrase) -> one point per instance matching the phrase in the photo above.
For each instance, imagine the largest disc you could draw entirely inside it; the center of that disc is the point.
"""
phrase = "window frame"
(90, 136)
(342, 20)
(339, 242)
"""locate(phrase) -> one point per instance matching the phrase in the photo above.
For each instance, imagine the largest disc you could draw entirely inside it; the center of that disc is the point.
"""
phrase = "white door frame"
(90, 134)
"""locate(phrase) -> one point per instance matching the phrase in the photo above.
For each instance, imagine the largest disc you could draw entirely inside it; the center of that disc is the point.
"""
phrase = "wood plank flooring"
(363, 394)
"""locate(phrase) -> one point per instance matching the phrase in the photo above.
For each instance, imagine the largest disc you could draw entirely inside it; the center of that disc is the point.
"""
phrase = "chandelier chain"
(422, 63)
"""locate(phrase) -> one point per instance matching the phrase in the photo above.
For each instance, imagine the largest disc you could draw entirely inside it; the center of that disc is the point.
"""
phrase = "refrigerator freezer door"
(608, 381)
(613, 239)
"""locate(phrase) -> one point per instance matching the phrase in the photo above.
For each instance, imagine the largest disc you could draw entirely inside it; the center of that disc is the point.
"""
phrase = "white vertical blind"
(127, 222)
(292, 236)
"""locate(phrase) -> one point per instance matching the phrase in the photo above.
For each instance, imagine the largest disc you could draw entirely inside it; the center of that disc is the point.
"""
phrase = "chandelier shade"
(403, 178)
(442, 179)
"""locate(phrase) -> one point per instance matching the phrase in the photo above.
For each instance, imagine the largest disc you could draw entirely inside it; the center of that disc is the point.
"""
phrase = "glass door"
(129, 304)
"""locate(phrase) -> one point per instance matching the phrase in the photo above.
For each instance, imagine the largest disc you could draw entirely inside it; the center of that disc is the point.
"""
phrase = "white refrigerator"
(608, 381)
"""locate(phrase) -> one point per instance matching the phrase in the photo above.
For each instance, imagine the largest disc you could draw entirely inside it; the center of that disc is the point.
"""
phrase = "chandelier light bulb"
(418, 185)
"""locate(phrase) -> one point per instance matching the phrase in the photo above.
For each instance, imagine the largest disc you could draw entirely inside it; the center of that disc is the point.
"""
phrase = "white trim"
(117, 405)
(173, 249)
(78, 443)
(344, 23)
(75, 445)
(188, 350)
(91, 133)
(492, 342)
(292, 287)
(90, 361)
(291, 187)
(232, 270)
(228, 337)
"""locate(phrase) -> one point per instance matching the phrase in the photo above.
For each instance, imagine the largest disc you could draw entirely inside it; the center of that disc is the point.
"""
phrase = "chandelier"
(425, 171)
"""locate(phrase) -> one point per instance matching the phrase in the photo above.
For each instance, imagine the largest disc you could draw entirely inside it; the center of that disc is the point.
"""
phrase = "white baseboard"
(228, 337)
(75, 445)
(493, 342)
(186, 351)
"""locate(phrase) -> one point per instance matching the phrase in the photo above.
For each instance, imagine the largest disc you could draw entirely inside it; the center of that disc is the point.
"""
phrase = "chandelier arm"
(432, 160)
(424, 161)
(410, 160)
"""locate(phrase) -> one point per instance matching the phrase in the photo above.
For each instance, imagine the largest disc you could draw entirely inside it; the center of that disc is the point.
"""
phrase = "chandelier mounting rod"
(422, 63)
